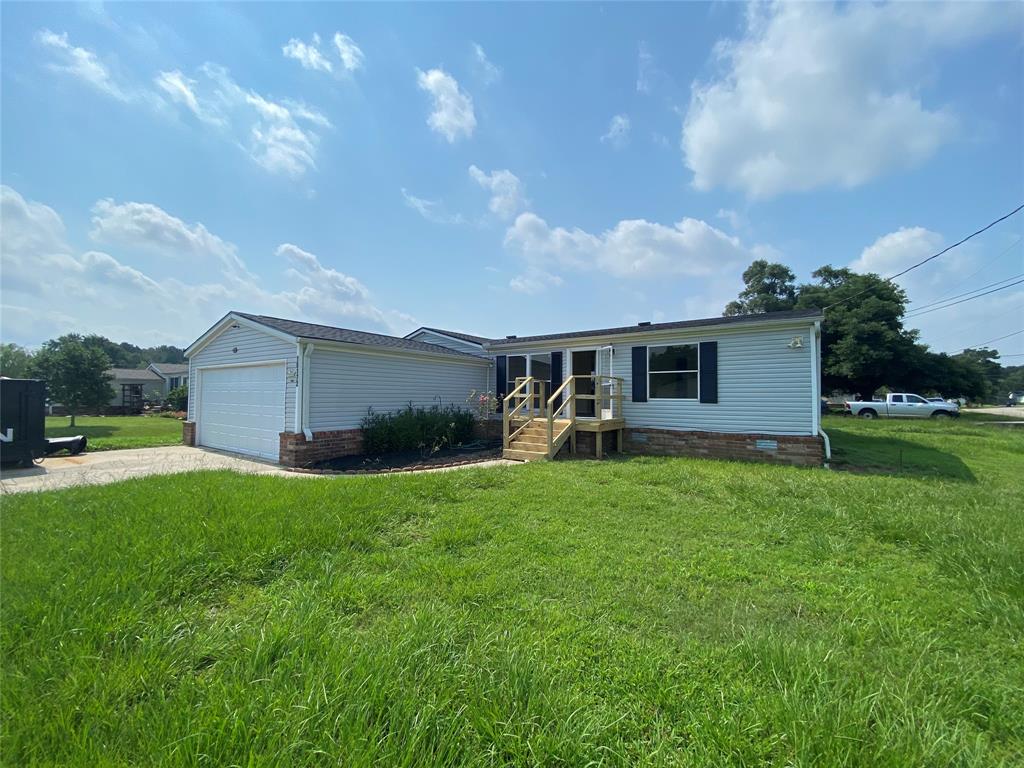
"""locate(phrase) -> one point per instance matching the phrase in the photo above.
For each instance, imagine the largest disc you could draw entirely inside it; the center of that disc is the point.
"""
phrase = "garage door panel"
(242, 409)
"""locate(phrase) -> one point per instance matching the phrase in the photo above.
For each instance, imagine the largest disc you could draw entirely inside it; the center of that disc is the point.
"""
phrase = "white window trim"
(650, 395)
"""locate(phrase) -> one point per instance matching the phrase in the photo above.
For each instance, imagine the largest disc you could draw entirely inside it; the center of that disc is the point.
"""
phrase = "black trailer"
(22, 421)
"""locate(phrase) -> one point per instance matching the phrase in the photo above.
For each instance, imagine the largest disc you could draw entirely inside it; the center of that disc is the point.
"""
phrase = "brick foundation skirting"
(296, 451)
(188, 432)
(778, 449)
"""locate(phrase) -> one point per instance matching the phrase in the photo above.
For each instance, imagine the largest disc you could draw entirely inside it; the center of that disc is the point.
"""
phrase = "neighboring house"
(734, 387)
(133, 386)
(173, 375)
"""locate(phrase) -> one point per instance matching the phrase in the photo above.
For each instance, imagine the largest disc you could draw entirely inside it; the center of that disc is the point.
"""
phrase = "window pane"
(516, 367)
(914, 399)
(540, 367)
(682, 357)
(673, 385)
(897, 398)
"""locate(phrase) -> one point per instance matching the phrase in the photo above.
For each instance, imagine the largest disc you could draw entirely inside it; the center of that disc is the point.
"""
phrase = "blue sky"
(498, 168)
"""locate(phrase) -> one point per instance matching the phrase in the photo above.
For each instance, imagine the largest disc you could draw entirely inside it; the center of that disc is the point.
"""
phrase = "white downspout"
(815, 365)
(306, 352)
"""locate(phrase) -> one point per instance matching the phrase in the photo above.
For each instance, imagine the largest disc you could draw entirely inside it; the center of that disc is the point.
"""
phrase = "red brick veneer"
(188, 432)
(296, 451)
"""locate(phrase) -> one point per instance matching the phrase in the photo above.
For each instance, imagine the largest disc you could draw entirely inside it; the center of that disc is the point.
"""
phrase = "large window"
(537, 365)
(672, 372)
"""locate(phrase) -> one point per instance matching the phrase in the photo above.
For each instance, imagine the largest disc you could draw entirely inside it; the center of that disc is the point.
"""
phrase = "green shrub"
(424, 429)
(178, 398)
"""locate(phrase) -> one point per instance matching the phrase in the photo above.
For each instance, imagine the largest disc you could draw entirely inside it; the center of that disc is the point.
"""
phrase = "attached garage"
(242, 409)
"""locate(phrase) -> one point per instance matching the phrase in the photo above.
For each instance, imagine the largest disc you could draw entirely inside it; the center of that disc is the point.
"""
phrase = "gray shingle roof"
(171, 369)
(796, 314)
(124, 374)
(348, 336)
(458, 335)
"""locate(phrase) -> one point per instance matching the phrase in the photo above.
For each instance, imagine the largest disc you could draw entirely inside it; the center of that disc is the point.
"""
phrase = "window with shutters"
(673, 372)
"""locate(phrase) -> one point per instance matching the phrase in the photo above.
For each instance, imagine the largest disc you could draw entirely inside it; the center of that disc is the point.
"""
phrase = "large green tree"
(986, 361)
(768, 287)
(14, 361)
(75, 374)
(125, 355)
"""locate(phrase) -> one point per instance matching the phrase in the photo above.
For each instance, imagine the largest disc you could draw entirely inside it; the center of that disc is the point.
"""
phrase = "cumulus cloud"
(488, 72)
(307, 54)
(351, 54)
(505, 188)
(452, 114)
(618, 132)
(80, 63)
(632, 248)
(49, 288)
(816, 94)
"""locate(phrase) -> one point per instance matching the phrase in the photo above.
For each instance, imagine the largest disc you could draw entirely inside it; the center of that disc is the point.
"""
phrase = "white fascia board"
(432, 332)
(229, 320)
(642, 337)
(341, 346)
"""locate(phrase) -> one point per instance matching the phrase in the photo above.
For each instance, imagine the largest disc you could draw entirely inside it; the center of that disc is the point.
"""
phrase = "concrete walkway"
(112, 466)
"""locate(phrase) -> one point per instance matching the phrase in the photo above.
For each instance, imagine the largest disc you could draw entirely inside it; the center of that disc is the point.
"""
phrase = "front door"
(584, 363)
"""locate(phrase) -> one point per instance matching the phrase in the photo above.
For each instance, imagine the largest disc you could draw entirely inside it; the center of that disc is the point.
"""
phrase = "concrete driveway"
(1017, 412)
(111, 466)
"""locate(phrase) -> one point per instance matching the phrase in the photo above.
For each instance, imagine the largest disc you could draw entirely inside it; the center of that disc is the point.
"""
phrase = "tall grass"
(640, 612)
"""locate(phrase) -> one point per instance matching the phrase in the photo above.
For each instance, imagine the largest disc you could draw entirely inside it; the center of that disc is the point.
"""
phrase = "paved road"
(1017, 412)
(111, 466)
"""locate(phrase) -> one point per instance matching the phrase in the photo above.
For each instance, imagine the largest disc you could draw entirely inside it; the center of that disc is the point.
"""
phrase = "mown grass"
(641, 612)
(109, 433)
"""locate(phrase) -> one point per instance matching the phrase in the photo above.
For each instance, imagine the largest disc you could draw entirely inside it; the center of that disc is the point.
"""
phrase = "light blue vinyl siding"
(345, 383)
(458, 345)
(253, 347)
(763, 385)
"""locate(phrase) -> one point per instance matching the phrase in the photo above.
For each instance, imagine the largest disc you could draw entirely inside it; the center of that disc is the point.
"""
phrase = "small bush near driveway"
(410, 429)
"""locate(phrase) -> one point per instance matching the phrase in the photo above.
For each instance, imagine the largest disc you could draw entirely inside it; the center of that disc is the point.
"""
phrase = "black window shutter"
(708, 361)
(639, 374)
(557, 376)
(501, 378)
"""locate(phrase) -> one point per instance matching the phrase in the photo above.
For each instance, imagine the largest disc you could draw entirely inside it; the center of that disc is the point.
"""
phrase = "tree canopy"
(75, 374)
(769, 288)
(14, 361)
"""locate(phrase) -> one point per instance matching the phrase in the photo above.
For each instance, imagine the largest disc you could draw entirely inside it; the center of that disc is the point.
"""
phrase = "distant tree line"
(864, 345)
(74, 368)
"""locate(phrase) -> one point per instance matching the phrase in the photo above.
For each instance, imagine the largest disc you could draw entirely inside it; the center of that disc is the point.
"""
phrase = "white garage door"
(242, 409)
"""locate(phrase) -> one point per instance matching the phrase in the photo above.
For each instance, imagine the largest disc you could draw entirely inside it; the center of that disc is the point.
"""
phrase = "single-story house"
(173, 375)
(746, 386)
(133, 386)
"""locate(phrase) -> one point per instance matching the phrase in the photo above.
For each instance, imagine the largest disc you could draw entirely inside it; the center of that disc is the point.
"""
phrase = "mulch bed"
(404, 461)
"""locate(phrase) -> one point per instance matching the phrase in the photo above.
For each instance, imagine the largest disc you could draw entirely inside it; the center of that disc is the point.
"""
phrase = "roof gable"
(467, 337)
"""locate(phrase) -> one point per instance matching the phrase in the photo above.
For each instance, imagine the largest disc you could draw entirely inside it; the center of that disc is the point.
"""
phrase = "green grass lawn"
(108, 433)
(629, 612)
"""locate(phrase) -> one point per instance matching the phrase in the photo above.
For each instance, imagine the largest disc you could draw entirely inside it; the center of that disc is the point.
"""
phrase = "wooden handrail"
(506, 415)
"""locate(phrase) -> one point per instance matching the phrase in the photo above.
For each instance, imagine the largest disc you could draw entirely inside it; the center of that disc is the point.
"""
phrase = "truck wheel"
(867, 413)
(941, 415)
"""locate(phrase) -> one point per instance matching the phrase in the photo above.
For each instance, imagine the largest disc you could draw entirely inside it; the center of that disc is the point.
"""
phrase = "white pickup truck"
(902, 405)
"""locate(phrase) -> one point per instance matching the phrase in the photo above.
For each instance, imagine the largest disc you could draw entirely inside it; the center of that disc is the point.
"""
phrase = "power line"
(983, 343)
(969, 298)
(965, 293)
(987, 264)
(933, 256)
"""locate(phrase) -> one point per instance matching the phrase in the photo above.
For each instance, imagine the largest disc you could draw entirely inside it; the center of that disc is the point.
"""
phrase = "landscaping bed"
(407, 461)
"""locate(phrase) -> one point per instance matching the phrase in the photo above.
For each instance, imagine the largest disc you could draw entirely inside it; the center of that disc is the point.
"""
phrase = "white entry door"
(242, 409)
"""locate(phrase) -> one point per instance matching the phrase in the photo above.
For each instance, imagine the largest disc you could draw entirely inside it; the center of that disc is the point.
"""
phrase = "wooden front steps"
(531, 444)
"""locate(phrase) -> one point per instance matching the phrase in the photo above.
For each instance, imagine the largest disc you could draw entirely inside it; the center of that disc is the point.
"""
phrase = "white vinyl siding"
(345, 383)
(764, 386)
(253, 346)
(429, 337)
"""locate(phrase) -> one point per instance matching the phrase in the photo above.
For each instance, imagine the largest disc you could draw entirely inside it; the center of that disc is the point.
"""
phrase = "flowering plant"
(483, 404)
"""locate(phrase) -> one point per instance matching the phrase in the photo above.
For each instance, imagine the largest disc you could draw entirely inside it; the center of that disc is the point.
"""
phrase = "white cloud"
(816, 94)
(487, 71)
(734, 218)
(144, 226)
(307, 54)
(431, 210)
(452, 115)
(350, 53)
(80, 63)
(645, 69)
(618, 132)
(968, 267)
(505, 188)
(534, 281)
(633, 248)
(49, 289)
(181, 90)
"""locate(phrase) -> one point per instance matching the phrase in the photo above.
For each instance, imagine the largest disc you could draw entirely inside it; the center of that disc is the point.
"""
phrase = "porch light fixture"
(796, 343)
